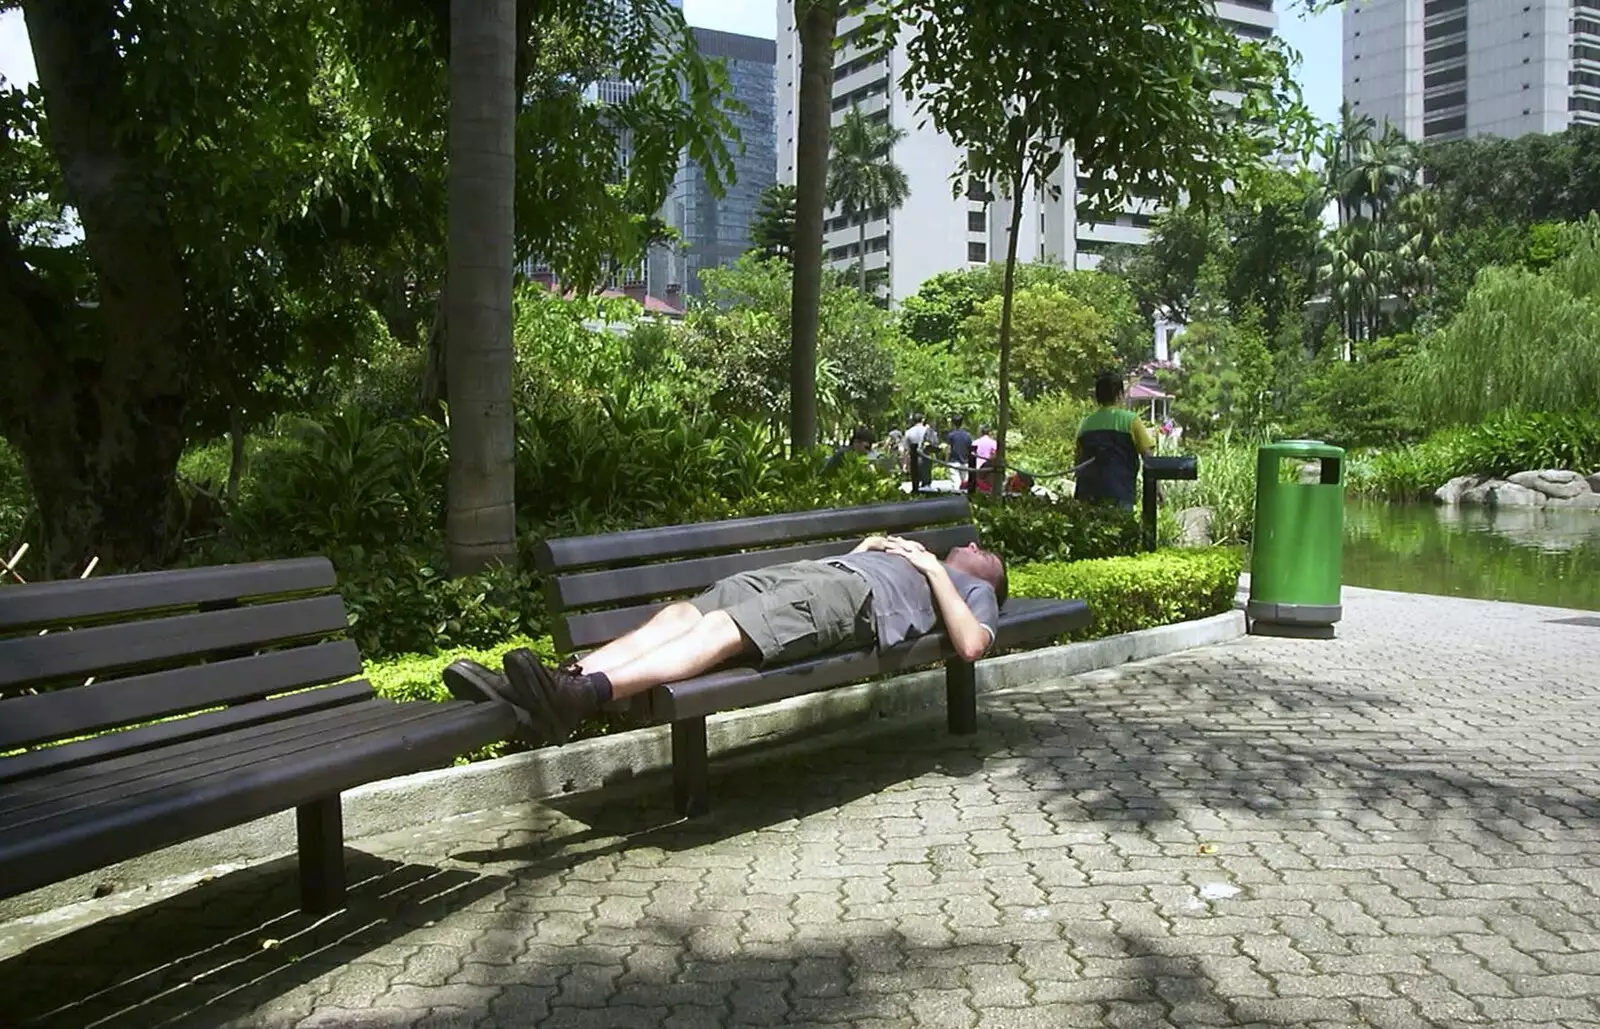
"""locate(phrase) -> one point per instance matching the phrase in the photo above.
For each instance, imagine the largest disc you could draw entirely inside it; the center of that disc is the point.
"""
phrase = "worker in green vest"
(1110, 443)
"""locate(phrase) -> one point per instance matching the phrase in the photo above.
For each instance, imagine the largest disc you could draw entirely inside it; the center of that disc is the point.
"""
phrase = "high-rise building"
(936, 231)
(1452, 69)
(715, 230)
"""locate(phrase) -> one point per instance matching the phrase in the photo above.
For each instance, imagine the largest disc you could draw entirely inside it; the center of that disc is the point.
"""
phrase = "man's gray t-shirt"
(902, 600)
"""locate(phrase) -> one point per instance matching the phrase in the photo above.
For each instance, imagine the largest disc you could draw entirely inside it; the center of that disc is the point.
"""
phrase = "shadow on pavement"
(749, 792)
(223, 947)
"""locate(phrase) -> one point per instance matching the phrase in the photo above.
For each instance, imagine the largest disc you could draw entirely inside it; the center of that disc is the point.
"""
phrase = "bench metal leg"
(961, 696)
(321, 828)
(691, 789)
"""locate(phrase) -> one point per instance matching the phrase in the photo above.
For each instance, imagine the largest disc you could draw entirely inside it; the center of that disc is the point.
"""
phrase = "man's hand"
(871, 543)
(920, 557)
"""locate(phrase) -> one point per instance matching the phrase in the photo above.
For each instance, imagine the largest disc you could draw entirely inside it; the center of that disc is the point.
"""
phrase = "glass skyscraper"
(715, 231)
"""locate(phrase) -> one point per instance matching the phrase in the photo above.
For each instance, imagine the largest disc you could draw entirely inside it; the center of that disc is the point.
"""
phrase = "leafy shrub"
(1044, 435)
(1501, 446)
(1227, 485)
(1025, 529)
(1140, 591)
(16, 502)
(402, 601)
(1359, 403)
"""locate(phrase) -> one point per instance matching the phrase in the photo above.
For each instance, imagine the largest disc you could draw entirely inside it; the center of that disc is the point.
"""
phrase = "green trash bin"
(1295, 557)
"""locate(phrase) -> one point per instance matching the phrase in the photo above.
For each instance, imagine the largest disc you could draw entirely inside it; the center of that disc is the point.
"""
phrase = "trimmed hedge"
(1138, 592)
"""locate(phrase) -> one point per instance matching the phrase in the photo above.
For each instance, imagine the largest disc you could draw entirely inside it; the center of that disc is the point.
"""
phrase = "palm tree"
(481, 522)
(818, 22)
(862, 175)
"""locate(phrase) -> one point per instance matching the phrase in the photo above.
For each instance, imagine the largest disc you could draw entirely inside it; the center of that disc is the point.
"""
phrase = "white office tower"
(1453, 69)
(935, 231)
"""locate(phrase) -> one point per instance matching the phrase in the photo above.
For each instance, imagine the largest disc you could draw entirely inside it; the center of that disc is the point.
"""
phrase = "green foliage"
(1500, 446)
(1226, 379)
(1046, 435)
(1359, 403)
(863, 179)
(1028, 528)
(16, 503)
(1141, 591)
(1058, 342)
(738, 337)
(1227, 485)
(772, 229)
(1524, 340)
(933, 378)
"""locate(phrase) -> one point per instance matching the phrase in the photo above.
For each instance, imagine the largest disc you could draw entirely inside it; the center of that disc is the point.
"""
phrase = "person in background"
(916, 467)
(860, 443)
(959, 441)
(1111, 442)
(985, 446)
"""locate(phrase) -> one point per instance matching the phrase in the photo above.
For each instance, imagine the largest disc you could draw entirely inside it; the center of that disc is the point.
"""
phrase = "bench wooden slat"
(44, 603)
(585, 589)
(127, 645)
(62, 714)
(85, 790)
(559, 555)
(101, 750)
(1021, 621)
(185, 810)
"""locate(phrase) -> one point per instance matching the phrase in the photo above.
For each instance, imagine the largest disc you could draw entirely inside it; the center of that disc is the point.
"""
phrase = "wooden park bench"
(215, 696)
(600, 587)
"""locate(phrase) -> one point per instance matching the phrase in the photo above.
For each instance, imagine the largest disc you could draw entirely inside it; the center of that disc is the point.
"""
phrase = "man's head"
(983, 430)
(861, 440)
(917, 419)
(1107, 388)
(955, 421)
(982, 564)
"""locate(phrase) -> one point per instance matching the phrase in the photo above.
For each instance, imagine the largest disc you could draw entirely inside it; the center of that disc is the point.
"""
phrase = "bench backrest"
(599, 587)
(159, 644)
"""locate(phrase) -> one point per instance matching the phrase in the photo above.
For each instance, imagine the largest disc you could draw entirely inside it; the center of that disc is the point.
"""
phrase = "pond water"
(1527, 555)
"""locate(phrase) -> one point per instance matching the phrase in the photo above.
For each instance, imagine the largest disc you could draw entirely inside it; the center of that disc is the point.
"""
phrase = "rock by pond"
(1545, 487)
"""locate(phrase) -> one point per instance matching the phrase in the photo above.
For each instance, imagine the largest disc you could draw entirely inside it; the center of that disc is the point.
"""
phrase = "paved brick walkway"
(1400, 827)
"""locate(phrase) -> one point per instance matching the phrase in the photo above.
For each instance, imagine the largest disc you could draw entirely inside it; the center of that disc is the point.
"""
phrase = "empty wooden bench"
(600, 587)
(218, 696)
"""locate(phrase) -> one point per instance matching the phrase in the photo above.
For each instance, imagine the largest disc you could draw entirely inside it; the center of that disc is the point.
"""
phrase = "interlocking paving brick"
(1396, 828)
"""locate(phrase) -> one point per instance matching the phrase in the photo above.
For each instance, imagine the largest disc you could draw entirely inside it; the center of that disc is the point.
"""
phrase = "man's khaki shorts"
(797, 610)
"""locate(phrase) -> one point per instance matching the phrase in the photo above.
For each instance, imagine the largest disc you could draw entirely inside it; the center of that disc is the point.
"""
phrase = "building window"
(1445, 76)
(1448, 52)
(1581, 51)
(976, 190)
(1433, 7)
(977, 253)
(1583, 78)
(1587, 26)
(977, 221)
(1441, 29)
(1444, 126)
(1444, 101)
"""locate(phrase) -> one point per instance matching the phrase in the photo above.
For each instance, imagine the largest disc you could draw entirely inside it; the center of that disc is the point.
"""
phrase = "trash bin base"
(1294, 614)
(1283, 630)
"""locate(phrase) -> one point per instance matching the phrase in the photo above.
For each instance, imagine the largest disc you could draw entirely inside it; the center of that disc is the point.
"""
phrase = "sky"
(1317, 38)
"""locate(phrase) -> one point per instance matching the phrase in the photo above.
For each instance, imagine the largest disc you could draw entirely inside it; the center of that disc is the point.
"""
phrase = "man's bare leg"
(668, 624)
(713, 639)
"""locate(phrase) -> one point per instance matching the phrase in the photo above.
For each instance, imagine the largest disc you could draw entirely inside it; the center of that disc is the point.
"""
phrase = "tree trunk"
(481, 524)
(1004, 413)
(818, 20)
(862, 264)
(435, 372)
(99, 421)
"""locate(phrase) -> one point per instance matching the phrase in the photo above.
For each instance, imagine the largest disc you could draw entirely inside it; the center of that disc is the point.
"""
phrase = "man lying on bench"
(885, 591)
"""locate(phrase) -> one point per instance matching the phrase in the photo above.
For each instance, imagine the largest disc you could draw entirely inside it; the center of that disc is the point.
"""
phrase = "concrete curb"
(610, 760)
